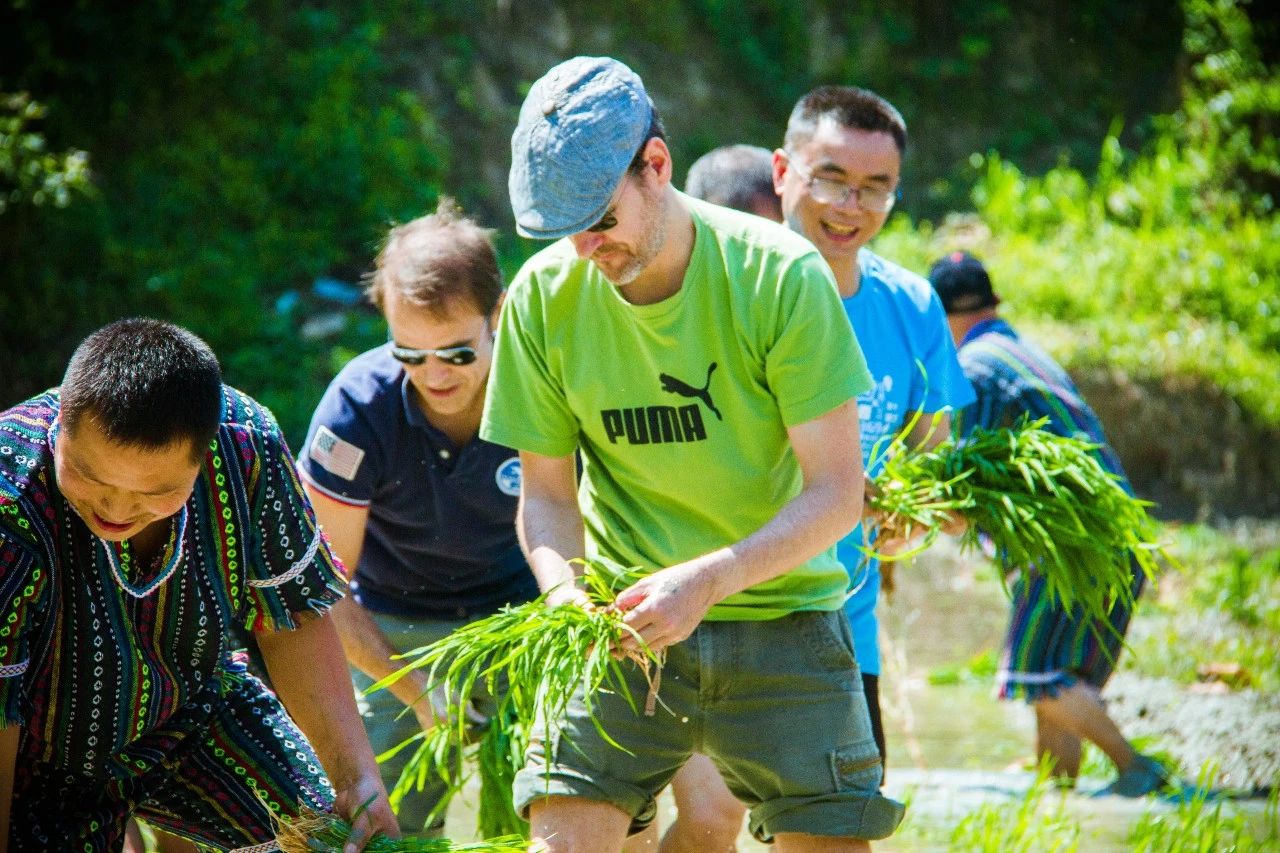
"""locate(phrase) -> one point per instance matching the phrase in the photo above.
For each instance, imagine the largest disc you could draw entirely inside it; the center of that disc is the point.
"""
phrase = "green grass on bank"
(1156, 297)
(1222, 604)
(1163, 263)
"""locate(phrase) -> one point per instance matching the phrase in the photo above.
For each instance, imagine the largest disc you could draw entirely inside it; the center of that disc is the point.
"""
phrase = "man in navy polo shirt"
(420, 510)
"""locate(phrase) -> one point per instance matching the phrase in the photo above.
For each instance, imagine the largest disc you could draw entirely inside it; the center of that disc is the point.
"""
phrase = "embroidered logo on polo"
(664, 424)
(508, 477)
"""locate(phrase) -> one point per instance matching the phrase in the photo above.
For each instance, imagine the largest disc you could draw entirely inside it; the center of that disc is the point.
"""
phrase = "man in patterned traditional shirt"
(144, 507)
(1055, 659)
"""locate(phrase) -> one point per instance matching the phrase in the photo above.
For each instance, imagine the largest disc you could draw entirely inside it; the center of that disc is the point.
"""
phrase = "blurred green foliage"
(1160, 263)
(1229, 579)
(240, 150)
(29, 173)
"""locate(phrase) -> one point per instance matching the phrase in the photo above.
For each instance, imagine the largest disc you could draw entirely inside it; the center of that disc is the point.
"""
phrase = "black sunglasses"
(457, 356)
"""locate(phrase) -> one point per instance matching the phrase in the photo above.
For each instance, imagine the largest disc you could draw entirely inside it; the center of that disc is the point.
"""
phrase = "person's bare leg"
(1079, 711)
(575, 825)
(644, 842)
(1058, 746)
(798, 842)
(133, 841)
(708, 815)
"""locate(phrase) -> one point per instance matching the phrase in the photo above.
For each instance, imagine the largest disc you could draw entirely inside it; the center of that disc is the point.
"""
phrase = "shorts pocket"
(857, 767)
(829, 642)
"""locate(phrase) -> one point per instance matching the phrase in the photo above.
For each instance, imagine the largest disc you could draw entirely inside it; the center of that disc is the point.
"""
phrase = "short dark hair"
(438, 258)
(734, 176)
(962, 283)
(848, 106)
(144, 383)
(657, 130)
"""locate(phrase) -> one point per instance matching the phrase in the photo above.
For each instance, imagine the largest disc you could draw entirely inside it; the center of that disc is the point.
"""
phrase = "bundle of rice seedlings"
(495, 754)
(499, 755)
(545, 654)
(315, 832)
(1043, 501)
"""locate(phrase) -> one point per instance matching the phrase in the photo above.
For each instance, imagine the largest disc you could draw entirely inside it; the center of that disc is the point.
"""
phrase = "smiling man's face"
(856, 158)
(120, 489)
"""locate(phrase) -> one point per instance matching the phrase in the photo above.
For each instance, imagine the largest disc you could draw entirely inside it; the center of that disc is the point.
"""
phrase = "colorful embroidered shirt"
(105, 683)
(1013, 377)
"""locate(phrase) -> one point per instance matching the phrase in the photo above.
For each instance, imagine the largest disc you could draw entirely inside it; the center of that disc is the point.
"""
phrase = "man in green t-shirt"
(695, 359)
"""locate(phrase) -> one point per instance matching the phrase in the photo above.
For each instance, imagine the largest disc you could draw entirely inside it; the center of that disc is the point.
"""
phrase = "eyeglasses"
(609, 220)
(457, 356)
(831, 191)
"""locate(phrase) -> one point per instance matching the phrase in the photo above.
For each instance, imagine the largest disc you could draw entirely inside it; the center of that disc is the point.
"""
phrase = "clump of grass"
(316, 832)
(495, 753)
(1195, 826)
(1043, 501)
(543, 655)
(1022, 827)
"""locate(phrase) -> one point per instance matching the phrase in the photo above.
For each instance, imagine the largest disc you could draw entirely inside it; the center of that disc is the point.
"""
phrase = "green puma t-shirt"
(681, 408)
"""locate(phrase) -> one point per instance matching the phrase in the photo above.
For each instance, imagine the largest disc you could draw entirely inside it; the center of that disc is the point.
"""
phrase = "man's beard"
(654, 235)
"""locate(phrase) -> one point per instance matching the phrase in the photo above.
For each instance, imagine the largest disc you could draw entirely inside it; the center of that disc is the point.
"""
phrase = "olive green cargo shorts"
(777, 705)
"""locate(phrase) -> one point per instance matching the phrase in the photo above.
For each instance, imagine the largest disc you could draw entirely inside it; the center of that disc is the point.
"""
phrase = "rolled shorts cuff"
(845, 814)
(533, 785)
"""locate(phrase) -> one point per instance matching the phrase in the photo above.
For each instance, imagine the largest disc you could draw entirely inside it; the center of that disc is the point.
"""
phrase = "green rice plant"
(542, 655)
(1043, 501)
(499, 755)
(1198, 827)
(314, 832)
(495, 754)
(1027, 826)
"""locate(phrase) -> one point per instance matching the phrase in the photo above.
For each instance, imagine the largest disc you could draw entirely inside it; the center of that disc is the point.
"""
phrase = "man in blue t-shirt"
(837, 174)
(418, 507)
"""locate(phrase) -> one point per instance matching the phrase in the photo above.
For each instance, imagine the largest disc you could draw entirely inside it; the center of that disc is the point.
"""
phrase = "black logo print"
(676, 386)
(662, 424)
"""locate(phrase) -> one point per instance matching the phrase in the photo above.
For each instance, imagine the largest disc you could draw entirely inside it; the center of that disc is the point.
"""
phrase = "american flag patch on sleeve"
(338, 457)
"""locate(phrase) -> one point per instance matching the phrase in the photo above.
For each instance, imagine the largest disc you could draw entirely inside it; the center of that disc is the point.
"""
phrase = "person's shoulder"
(243, 414)
(24, 456)
(984, 353)
(547, 270)
(895, 280)
(730, 227)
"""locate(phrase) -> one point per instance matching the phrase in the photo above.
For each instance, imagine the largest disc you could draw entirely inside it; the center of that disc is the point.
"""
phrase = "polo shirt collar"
(993, 324)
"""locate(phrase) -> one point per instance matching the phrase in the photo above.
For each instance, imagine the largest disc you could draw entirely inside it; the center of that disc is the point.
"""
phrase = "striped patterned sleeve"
(292, 569)
(23, 584)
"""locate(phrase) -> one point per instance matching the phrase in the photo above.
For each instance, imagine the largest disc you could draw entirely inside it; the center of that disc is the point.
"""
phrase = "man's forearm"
(310, 676)
(550, 533)
(9, 737)
(369, 650)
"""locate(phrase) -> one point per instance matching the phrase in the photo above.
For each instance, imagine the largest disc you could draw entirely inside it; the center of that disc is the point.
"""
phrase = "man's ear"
(779, 170)
(658, 158)
(495, 314)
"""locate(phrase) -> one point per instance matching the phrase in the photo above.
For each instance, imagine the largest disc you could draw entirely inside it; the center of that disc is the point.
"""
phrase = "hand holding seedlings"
(1042, 500)
(665, 607)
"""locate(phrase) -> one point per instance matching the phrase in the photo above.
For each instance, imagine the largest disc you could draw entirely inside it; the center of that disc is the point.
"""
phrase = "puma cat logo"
(662, 424)
(672, 385)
